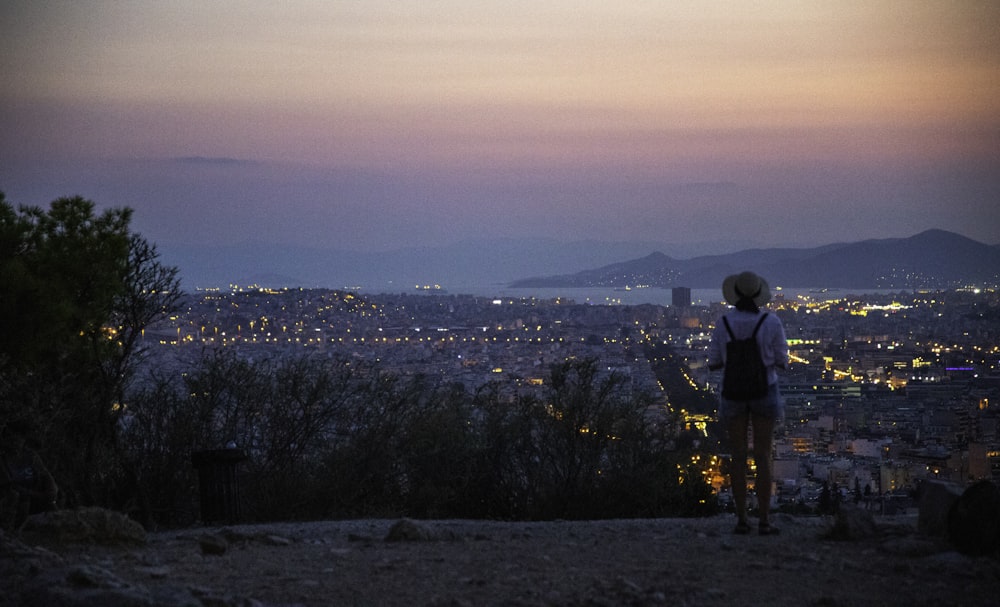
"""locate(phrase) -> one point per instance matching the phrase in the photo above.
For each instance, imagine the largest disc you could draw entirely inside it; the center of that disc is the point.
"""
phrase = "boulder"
(935, 499)
(853, 523)
(974, 520)
(85, 525)
(407, 530)
(83, 585)
(213, 544)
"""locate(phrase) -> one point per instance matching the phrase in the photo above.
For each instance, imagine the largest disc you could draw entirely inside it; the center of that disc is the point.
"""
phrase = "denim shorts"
(771, 406)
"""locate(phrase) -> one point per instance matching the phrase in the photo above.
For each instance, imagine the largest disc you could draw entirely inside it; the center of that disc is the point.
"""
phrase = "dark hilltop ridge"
(935, 259)
(92, 558)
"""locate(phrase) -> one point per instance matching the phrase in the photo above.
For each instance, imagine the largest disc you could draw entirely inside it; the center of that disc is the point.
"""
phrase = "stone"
(85, 525)
(935, 499)
(974, 520)
(275, 540)
(83, 586)
(155, 572)
(853, 523)
(213, 545)
(407, 530)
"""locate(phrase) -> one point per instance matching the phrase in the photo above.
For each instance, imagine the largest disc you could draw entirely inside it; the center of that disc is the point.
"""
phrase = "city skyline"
(378, 126)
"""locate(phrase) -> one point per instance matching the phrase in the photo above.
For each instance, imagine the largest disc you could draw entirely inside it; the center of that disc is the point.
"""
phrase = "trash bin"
(218, 484)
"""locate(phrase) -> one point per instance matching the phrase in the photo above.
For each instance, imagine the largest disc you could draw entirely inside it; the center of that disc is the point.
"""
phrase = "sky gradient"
(375, 125)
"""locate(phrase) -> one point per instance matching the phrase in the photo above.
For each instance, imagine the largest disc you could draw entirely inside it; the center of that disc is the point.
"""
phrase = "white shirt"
(770, 339)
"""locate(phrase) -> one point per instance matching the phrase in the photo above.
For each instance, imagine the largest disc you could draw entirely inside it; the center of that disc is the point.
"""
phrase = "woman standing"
(748, 293)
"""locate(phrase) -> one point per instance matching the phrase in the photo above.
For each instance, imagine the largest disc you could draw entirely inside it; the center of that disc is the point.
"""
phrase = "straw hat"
(746, 284)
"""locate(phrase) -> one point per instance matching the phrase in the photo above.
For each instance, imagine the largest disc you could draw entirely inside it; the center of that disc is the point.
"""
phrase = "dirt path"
(630, 562)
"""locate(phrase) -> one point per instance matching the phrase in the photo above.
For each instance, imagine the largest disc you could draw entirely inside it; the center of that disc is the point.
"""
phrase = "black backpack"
(744, 376)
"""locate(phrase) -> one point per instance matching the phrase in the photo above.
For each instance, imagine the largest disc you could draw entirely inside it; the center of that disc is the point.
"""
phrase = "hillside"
(643, 563)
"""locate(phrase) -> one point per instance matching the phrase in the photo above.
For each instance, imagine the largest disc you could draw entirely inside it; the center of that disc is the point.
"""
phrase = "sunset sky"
(377, 124)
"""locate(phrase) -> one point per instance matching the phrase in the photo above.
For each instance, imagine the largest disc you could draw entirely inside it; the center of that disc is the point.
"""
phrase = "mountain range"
(472, 262)
(931, 259)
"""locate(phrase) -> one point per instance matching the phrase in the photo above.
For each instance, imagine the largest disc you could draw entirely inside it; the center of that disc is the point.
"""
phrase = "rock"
(157, 572)
(20, 562)
(974, 520)
(86, 525)
(935, 501)
(236, 537)
(275, 540)
(852, 523)
(213, 545)
(90, 586)
(407, 530)
(83, 586)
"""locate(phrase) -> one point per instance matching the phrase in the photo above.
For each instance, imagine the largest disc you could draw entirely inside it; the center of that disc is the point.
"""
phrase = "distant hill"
(931, 259)
(496, 261)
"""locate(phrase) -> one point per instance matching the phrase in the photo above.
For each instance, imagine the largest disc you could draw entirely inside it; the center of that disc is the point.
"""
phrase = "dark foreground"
(455, 563)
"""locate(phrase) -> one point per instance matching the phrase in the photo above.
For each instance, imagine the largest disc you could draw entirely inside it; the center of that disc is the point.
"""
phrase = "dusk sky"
(375, 124)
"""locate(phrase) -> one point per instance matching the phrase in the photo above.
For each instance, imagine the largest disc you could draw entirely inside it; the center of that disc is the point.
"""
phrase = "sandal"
(766, 529)
(742, 528)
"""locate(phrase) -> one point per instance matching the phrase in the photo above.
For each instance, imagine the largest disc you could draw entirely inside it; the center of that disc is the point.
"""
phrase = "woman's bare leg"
(736, 429)
(763, 436)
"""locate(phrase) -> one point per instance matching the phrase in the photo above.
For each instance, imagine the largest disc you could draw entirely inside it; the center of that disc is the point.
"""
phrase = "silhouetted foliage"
(78, 288)
(322, 437)
(334, 441)
(506, 481)
(282, 413)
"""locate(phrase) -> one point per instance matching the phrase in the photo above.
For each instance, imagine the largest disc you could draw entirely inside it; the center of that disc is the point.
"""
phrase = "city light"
(862, 366)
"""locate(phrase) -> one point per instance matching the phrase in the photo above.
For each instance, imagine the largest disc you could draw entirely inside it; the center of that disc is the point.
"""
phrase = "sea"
(629, 296)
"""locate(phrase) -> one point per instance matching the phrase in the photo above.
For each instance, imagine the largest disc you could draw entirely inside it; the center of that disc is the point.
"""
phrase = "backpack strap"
(729, 329)
(756, 328)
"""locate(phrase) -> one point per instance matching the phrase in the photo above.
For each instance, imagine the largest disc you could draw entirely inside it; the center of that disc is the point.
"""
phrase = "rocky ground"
(456, 563)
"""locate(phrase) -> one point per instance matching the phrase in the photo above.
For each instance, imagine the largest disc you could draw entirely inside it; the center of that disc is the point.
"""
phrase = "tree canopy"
(60, 271)
(76, 289)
